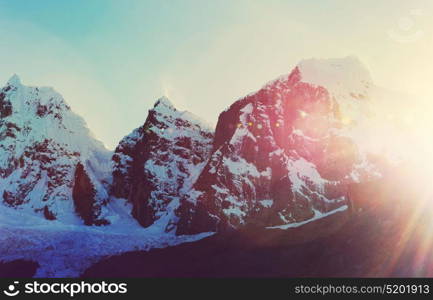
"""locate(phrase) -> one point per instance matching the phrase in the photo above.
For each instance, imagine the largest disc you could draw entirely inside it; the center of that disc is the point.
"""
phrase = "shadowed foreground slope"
(359, 243)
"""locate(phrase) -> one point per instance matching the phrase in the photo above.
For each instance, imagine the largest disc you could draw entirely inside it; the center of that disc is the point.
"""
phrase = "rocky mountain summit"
(158, 163)
(280, 156)
(45, 149)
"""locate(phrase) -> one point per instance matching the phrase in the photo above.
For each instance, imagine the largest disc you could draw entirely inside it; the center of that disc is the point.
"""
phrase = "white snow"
(14, 80)
(166, 110)
(242, 131)
(64, 250)
(301, 170)
(337, 74)
(317, 215)
(266, 203)
(300, 133)
(241, 167)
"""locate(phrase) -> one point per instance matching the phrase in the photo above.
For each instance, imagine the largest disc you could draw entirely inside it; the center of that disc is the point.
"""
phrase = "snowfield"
(68, 250)
(317, 216)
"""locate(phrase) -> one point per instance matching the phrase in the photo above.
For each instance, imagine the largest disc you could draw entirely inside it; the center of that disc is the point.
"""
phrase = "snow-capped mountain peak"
(341, 77)
(41, 143)
(165, 112)
(173, 147)
(337, 75)
(346, 80)
(278, 155)
(14, 80)
(163, 102)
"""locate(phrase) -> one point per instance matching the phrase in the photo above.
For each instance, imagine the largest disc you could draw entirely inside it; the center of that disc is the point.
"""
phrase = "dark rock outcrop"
(5, 106)
(84, 196)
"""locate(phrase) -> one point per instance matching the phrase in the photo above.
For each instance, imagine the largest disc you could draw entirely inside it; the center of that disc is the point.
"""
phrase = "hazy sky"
(112, 59)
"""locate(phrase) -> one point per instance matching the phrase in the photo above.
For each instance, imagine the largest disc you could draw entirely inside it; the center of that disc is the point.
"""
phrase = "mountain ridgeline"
(278, 158)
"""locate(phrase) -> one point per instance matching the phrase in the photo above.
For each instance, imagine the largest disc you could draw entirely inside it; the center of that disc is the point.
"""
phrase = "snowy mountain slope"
(158, 163)
(66, 250)
(41, 143)
(280, 155)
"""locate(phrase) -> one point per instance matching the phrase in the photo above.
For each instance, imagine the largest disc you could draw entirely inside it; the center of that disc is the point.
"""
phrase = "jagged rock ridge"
(158, 162)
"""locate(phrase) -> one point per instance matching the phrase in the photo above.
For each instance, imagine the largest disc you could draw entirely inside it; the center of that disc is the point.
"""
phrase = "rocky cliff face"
(86, 202)
(41, 143)
(158, 163)
(280, 155)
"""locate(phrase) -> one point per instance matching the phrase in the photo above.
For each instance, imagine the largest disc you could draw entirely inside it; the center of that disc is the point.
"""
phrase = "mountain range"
(279, 158)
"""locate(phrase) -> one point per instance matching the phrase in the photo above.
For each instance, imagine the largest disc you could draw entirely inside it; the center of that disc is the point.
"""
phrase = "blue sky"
(112, 59)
